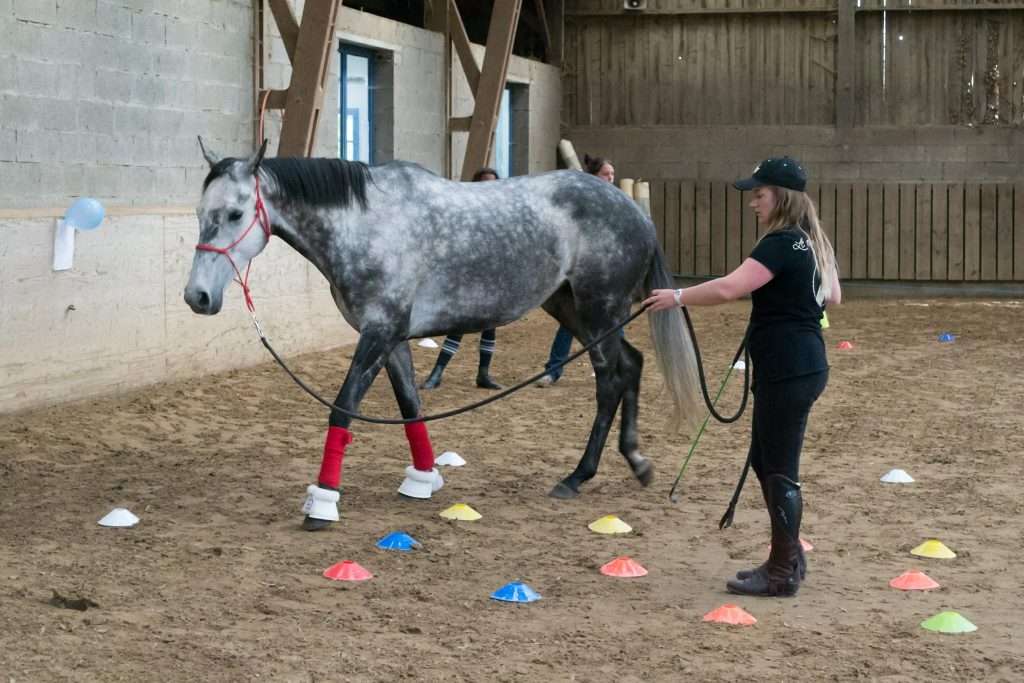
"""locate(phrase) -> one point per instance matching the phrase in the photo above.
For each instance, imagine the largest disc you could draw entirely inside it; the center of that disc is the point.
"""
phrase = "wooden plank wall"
(700, 69)
(938, 67)
(883, 231)
(769, 62)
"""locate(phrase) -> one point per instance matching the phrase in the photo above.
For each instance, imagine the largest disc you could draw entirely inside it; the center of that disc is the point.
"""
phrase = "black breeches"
(779, 422)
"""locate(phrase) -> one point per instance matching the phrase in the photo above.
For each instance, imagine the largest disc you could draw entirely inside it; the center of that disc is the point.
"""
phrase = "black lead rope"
(742, 350)
(448, 413)
(727, 518)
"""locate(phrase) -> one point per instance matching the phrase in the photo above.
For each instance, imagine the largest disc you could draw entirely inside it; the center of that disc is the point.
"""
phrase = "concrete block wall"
(106, 97)
(117, 321)
(923, 154)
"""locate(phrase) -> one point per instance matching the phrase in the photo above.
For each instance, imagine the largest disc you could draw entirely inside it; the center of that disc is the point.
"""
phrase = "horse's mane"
(321, 182)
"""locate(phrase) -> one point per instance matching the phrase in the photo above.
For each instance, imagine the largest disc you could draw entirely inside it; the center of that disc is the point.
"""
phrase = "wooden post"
(846, 62)
(462, 48)
(309, 74)
(500, 35)
(287, 25)
(556, 25)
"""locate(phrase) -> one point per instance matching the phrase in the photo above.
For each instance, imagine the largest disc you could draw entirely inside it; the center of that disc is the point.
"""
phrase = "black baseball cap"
(779, 171)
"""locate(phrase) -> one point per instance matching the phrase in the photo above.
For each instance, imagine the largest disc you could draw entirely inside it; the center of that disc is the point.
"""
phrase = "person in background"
(451, 343)
(561, 346)
(790, 275)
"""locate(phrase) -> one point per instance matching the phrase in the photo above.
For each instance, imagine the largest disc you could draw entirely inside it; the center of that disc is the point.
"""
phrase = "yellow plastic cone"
(824, 320)
(461, 511)
(934, 549)
(609, 524)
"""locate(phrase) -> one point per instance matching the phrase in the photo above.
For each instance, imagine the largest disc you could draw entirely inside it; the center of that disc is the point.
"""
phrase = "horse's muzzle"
(200, 301)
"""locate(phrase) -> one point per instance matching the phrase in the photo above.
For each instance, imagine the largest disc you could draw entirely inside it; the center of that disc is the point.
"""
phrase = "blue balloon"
(85, 214)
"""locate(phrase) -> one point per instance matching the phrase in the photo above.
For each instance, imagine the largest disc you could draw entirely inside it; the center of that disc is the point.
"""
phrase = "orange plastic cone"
(347, 570)
(730, 614)
(845, 346)
(914, 581)
(624, 567)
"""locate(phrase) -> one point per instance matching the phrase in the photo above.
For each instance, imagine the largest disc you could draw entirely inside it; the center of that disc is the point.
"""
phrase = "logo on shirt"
(801, 244)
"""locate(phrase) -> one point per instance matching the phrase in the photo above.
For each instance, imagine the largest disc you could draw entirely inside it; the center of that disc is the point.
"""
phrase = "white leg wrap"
(321, 503)
(420, 484)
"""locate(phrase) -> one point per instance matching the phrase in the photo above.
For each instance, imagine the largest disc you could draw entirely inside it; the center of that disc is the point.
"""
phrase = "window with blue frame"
(355, 129)
(503, 138)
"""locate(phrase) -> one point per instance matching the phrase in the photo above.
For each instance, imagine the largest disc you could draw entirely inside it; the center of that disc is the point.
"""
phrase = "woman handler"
(790, 275)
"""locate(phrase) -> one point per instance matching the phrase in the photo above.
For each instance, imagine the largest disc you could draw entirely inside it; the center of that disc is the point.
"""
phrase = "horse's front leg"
(421, 478)
(372, 351)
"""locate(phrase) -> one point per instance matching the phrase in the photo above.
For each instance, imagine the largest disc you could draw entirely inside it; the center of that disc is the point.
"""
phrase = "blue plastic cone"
(946, 337)
(515, 592)
(398, 540)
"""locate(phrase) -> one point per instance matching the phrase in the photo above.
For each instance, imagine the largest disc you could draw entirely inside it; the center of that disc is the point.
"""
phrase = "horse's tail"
(674, 349)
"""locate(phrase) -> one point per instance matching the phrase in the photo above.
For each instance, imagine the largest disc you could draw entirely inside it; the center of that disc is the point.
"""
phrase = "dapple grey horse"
(408, 254)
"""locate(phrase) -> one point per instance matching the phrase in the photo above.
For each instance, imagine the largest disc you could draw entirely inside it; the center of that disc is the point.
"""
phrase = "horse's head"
(233, 228)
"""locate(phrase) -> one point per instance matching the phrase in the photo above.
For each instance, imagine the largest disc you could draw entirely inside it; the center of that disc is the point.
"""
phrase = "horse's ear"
(211, 157)
(254, 161)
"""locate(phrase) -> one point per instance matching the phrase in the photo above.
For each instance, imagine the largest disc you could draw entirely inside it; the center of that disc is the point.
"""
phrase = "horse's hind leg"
(605, 358)
(422, 479)
(631, 365)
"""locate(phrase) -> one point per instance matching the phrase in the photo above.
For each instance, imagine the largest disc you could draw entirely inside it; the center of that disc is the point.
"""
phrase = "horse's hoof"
(563, 491)
(311, 524)
(644, 472)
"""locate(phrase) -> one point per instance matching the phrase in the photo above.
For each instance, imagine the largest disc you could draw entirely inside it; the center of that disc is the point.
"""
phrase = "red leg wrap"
(419, 444)
(334, 452)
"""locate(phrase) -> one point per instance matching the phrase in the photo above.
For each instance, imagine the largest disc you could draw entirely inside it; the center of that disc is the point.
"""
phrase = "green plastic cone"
(948, 622)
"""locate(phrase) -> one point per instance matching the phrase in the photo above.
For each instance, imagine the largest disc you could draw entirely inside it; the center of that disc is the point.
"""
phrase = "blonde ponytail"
(796, 208)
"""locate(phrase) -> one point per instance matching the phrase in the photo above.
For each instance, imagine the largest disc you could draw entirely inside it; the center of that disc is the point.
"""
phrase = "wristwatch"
(678, 296)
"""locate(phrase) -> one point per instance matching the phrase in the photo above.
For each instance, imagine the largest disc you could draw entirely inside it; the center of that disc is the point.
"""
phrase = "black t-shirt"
(785, 322)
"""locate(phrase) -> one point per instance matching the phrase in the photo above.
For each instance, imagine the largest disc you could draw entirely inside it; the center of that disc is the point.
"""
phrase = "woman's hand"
(661, 300)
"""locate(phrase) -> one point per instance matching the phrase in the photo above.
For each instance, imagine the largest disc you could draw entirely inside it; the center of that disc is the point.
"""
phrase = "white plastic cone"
(428, 343)
(450, 459)
(739, 365)
(897, 477)
(119, 517)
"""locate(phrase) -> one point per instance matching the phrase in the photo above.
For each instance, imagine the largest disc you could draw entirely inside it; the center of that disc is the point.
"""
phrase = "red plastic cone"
(730, 614)
(347, 570)
(845, 346)
(623, 567)
(914, 581)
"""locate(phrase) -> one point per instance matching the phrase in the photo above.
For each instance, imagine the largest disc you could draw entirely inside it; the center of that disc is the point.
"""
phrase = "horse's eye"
(235, 216)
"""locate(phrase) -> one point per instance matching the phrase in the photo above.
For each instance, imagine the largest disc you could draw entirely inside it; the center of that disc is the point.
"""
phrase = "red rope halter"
(263, 220)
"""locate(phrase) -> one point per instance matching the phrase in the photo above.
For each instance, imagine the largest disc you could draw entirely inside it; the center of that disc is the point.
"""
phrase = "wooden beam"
(276, 99)
(846, 63)
(545, 32)
(500, 36)
(309, 72)
(460, 124)
(462, 47)
(556, 23)
(287, 25)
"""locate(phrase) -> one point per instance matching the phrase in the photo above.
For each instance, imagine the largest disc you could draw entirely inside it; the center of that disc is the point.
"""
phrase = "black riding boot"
(484, 381)
(780, 575)
(434, 380)
(801, 560)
